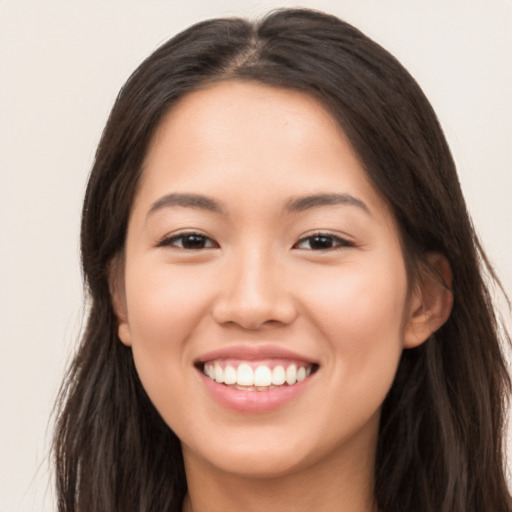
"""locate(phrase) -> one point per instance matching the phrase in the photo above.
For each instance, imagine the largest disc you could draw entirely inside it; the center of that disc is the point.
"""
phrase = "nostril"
(256, 315)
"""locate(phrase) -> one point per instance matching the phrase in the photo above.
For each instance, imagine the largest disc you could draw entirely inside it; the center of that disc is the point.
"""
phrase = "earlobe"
(118, 297)
(123, 332)
(432, 301)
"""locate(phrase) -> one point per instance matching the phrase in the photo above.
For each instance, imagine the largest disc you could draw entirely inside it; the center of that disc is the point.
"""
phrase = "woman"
(287, 309)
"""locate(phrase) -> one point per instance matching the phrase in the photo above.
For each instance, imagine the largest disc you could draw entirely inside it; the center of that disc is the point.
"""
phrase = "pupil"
(321, 242)
(193, 242)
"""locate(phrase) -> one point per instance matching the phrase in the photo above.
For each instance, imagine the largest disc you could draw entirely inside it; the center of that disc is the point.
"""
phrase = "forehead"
(252, 136)
(253, 111)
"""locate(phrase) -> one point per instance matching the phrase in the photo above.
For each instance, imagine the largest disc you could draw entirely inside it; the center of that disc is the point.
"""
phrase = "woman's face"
(258, 249)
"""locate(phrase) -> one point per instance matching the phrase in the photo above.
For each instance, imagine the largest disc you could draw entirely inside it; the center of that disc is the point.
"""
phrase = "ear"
(431, 302)
(118, 297)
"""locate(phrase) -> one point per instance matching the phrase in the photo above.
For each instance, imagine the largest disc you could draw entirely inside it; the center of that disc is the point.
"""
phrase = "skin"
(257, 279)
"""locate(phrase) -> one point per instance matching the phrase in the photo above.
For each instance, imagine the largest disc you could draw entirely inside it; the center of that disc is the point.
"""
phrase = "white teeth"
(219, 373)
(291, 374)
(262, 376)
(278, 376)
(244, 375)
(229, 375)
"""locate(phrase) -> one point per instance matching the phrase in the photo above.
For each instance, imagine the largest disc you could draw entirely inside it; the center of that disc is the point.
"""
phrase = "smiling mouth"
(253, 376)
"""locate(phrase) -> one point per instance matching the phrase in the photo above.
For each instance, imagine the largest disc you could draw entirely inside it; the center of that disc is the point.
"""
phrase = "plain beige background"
(61, 65)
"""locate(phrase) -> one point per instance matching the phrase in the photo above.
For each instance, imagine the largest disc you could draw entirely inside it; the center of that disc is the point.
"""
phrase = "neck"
(337, 484)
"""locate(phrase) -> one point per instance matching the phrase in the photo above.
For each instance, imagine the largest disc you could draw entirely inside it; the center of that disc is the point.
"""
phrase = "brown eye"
(322, 242)
(189, 241)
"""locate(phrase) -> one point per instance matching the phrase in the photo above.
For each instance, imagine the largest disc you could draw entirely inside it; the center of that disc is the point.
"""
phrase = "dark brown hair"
(441, 436)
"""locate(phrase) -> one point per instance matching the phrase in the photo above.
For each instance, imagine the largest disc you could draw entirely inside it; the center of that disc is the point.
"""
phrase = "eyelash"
(205, 242)
(172, 241)
(336, 241)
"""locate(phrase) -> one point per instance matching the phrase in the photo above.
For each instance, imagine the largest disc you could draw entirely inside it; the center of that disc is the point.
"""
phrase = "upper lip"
(253, 353)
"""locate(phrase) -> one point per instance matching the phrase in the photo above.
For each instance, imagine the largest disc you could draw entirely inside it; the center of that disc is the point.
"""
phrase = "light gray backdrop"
(61, 65)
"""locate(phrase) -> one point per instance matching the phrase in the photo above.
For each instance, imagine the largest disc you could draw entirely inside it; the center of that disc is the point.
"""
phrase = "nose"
(254, 293)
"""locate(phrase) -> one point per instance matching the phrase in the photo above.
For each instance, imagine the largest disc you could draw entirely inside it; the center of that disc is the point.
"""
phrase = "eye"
(322, 242)
(189, 241)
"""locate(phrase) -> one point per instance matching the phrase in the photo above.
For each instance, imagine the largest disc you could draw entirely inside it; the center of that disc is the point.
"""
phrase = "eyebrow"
(296, 204)
(300, 204)
(196, 201)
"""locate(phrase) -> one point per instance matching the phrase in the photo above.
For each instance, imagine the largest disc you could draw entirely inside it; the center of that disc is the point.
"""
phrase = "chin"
(254, 459)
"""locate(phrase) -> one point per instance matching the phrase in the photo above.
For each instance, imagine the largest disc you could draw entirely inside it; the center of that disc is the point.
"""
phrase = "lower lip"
(253, 401)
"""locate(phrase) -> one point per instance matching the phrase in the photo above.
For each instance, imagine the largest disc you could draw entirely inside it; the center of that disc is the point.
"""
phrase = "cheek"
(360, 311)
(368, 295)
(164, 308)
(164, 304)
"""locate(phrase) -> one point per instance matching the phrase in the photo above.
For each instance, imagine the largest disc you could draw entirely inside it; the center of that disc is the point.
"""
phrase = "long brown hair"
(441, 436)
